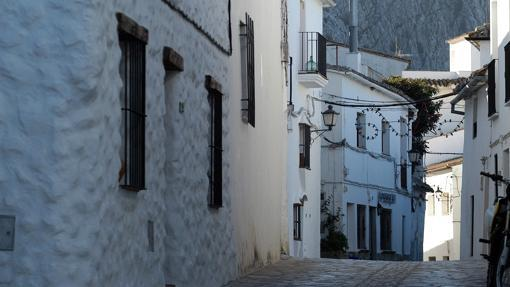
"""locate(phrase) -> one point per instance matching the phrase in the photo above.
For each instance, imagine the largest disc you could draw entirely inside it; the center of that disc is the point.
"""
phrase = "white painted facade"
(491, 146)
(374, 64)
(358, 176)
(442, 217)
(442, 239)
(303, 183)
(61, 119)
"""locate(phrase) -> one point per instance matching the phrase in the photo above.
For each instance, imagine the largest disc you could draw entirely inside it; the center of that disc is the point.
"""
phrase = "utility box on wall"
(7, 224)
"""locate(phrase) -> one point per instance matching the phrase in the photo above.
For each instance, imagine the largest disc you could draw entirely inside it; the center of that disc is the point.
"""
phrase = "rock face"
(416, 27)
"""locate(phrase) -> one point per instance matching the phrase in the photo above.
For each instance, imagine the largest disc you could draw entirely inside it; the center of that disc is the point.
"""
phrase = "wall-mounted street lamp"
(414, 156)
(329, 117)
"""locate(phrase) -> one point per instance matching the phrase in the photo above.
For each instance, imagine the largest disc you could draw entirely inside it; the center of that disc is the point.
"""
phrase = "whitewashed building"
(486, 100)
(132, 152)
(365, 166)
(307, 77)
(443, 161)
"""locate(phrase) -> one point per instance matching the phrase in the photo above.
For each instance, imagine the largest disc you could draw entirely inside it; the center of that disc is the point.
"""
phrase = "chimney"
(353, 28)
(353, 58)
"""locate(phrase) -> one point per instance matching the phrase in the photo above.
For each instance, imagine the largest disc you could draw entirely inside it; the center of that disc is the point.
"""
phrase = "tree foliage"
(428, 110)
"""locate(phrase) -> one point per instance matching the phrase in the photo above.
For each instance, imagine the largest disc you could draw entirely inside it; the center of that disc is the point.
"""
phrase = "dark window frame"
(403, 175)
(304, 146)
(133, 41)
(475, 116)
(297, 213)
(248, 63)
(491, 88)
(507, 72)
(215, 96)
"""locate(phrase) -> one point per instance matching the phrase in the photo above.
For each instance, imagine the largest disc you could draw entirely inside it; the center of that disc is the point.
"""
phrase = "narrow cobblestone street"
(331, 272)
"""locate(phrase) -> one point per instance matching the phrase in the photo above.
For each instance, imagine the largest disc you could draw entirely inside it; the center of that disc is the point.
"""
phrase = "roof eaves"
(374, 81)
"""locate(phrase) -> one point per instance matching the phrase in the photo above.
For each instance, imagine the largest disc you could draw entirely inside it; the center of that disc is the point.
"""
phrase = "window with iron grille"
(297, 221)
(216, 164)
(248, 64)
(304, 146)
(132, 42)
(491, 88)
(507, 72)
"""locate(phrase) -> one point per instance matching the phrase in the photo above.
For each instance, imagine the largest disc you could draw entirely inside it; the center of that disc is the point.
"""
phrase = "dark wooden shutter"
(507, 72)
(307, 145)
(491, 89)
(133, 76)
(250, 69)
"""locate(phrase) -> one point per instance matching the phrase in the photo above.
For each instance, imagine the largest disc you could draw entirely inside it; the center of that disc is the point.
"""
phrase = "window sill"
(298, 239)
(493, 116)
(131, 188)
(303, 167)
(507, 103)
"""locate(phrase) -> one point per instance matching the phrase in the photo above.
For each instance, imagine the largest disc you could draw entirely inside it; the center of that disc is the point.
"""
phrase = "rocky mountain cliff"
(418, 28)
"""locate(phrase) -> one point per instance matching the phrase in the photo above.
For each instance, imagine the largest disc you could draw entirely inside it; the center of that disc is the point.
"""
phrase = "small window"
(298, 208)
(475, 116)
(304, 146)
(403, 175)
(132, 72)
(491, 88)
(445, 204)
(432, 258)
(496, 171)
(361, 141)
(385, 137)
(386, 229)
(362, 227)
(216, 134)
(507, 72)
(248, 70)
(446, 258)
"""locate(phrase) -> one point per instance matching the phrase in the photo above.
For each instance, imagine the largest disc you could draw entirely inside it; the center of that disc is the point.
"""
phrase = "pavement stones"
(333, 272)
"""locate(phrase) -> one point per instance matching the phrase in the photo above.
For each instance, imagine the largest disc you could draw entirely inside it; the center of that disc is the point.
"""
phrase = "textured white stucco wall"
(258, 154)
(302, 181)
(60, 121)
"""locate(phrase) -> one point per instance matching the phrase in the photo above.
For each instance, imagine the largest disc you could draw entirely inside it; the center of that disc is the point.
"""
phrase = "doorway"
(373, 232)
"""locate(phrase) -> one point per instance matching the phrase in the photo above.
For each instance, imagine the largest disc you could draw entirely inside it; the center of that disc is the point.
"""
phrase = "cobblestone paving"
(332, 272)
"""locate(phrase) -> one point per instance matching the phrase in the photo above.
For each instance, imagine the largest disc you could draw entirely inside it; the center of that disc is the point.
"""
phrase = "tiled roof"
(445, 82)
(480, 33)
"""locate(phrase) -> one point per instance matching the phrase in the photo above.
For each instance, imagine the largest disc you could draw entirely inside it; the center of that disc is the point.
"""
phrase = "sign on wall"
(388, 198)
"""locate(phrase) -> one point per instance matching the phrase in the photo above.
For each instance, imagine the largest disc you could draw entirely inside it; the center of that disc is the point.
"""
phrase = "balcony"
(312, 64)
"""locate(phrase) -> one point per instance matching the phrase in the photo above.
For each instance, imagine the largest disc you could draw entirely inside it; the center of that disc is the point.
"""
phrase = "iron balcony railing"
(313, 53)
